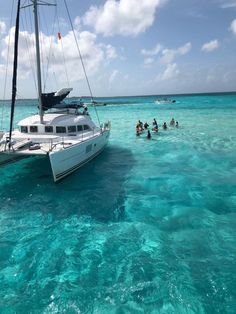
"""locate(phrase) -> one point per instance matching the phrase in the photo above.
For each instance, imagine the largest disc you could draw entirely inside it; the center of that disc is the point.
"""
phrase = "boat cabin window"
(24, 129)
(86, 127)
(33, 129)
(79, 128)
(71, 129)
(60, 129)
(48, 129)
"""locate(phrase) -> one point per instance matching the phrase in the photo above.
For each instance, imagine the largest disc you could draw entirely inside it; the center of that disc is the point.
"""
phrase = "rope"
(7, 64)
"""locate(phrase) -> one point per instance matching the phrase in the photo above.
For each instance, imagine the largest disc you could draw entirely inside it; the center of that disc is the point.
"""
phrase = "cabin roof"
(56, 119)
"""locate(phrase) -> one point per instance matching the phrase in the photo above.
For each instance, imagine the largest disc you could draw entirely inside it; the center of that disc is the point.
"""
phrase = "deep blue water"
(147, 227)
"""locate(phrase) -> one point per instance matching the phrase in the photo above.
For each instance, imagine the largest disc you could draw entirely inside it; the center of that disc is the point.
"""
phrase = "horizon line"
(146, 95)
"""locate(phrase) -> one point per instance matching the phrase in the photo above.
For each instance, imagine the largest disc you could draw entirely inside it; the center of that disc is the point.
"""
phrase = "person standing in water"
(146, 125)
(149, 135)
(155, 125)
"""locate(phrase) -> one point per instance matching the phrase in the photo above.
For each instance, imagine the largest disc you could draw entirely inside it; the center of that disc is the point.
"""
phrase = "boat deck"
(43, 144)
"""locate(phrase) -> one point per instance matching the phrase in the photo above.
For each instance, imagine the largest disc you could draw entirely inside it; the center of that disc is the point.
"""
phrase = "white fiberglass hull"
(65, 161)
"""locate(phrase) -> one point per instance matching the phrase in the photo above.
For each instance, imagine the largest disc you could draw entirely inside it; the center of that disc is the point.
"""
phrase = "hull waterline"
(65, 162)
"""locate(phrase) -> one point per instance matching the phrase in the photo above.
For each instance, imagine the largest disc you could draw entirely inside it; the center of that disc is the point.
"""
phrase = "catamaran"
(62, 132)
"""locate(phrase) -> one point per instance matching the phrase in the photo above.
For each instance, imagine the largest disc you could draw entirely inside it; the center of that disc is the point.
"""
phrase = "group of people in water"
(140, 127)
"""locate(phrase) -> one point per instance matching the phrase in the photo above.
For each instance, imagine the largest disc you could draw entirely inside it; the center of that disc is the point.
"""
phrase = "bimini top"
(50, 100)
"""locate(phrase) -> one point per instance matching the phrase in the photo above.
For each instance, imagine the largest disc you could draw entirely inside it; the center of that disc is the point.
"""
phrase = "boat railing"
(106, 126)
(63, 140)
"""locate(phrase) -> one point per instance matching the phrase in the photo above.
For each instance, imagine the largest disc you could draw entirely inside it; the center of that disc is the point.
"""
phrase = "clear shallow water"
(147, 227)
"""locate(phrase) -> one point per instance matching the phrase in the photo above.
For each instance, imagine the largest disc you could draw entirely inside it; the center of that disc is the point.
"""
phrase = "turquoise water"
(147, 227)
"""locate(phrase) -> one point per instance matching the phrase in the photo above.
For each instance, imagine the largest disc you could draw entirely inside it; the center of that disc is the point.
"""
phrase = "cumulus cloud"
(170, 72)
(77, 22)
(168, 55)
(210, 46)
(114, 75)
(152, 52)
(148, 61)
(93, 53)
(2, 28)
(110, 52)
(124, 17)
(233, 26)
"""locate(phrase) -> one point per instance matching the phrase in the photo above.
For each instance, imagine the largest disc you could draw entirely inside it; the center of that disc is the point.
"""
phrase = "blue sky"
(130, 47)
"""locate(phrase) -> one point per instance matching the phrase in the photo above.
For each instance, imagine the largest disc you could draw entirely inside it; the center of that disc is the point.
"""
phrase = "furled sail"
(51, 100)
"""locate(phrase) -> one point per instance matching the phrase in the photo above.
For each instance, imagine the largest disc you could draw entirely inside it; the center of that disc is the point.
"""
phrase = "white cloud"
(148, 61)
(2, 28)
(114, 75)
(171, 69)
(77, 22)
(168, 55)
(170, 72)
(225, 4)
(233, 26)
(124, 17)
(210, 46)
(94, 55)
(152, 52)
(110, 52)
(184, 49)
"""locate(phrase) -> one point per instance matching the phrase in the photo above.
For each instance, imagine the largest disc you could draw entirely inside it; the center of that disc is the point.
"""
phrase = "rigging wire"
(7, 65)
(47, 56)
(81, 59)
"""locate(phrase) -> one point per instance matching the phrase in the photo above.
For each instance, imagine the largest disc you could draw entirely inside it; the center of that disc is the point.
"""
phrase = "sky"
(129, 47)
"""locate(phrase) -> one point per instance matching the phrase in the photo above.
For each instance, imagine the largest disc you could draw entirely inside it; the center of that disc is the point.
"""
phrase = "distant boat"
(66, 136)
(165, 101)
(95, 103)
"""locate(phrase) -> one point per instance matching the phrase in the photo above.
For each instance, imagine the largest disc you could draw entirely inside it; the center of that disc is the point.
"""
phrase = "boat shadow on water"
(96, 190)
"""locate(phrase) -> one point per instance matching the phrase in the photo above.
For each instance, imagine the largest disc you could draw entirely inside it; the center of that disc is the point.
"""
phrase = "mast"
(14, 76)
(35, 10)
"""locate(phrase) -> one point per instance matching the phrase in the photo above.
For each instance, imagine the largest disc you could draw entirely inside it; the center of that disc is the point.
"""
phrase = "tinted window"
(86, 127)
(60, 129)
(24, 129)
(33, 129)
(48, 129)
(79, 128)
(71, 129)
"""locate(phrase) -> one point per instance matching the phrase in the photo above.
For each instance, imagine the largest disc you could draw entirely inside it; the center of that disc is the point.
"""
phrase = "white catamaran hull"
(67, 160)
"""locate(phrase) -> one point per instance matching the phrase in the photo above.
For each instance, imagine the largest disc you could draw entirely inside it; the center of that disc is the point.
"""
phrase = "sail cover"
(50, 100)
